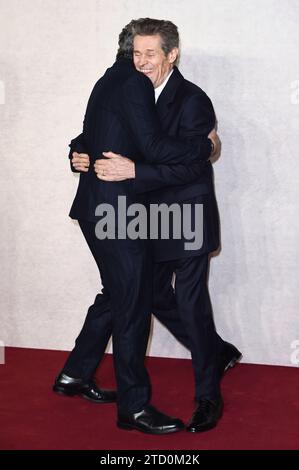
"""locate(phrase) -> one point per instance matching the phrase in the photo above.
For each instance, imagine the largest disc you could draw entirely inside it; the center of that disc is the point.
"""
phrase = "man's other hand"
(217, 145)
(114, 167)
(80, 161)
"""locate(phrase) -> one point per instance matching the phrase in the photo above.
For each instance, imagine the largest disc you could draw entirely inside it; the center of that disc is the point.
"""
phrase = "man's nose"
(143, 61)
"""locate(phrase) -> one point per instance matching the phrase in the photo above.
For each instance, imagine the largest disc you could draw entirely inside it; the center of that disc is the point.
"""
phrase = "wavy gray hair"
(147, 27)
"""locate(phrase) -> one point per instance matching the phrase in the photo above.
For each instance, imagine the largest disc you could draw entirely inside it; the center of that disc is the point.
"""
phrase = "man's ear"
(173, 55)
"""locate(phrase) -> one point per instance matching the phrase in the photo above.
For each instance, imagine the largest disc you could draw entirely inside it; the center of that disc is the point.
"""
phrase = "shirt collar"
(161, 87)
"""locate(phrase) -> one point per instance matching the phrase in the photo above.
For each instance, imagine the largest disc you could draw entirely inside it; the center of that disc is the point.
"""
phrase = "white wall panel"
(245, 56)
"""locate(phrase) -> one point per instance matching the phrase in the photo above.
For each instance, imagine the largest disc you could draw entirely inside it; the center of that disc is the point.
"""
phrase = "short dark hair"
(148, 27)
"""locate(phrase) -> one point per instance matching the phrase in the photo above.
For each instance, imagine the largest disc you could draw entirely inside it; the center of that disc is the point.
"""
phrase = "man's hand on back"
(80, 161)
(114, 167)
(213, 136)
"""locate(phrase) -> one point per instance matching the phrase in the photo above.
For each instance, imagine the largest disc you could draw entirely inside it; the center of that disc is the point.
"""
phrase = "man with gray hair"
(185, 112)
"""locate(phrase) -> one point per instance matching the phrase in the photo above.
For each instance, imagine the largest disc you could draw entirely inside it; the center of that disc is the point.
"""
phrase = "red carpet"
(261, 407)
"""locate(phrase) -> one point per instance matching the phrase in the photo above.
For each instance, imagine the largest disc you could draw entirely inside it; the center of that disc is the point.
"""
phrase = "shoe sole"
(208, 427)
(68, 393)
(65, 392)
(233, 362)
(129, 427)
(203, 429)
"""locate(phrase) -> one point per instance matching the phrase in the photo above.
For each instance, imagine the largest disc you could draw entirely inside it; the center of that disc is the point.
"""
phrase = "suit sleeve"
(77, 145)
(140, 116)
(198, 119)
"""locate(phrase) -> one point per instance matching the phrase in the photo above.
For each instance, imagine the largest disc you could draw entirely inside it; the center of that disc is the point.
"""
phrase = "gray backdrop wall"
(245, 56)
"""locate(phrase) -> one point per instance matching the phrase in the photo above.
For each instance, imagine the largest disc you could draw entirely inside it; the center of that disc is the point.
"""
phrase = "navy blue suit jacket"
(121, 116)
(187, 113)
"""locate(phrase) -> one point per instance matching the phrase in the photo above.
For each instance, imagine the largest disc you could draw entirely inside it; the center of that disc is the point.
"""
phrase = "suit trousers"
(98, 327)
(123, 309)
(191, 300)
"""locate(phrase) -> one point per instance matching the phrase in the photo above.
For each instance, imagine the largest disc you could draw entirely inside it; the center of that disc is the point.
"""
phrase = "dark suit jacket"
(121, 116)
(186, 112)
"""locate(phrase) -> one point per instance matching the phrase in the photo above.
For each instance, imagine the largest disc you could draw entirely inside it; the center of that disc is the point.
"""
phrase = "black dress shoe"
(206, 415)
(69, 386)
(150, 421)
(229, 357)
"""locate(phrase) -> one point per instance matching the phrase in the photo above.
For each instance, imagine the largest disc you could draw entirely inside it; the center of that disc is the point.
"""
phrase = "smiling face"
(150, 59)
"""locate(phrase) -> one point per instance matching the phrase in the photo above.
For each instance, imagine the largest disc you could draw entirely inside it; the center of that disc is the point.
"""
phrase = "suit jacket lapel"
(168, 94)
